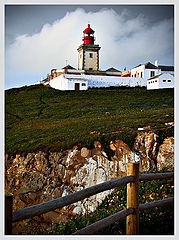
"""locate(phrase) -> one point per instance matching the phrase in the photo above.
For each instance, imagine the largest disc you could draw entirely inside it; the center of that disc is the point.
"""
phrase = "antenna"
(66, 67)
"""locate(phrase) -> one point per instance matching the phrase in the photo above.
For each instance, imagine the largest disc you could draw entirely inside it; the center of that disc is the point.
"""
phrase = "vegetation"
(156, 221)
(42, 118)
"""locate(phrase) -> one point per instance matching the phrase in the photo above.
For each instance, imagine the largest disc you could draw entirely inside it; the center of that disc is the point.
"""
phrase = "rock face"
(165, 157)
(41, 177)
(146, 146)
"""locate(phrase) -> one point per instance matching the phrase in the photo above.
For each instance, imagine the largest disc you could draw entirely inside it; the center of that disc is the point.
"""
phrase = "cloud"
(124, 41)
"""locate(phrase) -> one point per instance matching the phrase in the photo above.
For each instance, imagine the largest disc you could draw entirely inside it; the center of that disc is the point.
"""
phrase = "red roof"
(88, 29)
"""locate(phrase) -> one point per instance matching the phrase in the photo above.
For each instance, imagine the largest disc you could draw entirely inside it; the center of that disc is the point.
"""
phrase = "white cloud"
(124, 41)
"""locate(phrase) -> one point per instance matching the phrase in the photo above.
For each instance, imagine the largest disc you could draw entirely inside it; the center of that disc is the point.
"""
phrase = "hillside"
(42, 118)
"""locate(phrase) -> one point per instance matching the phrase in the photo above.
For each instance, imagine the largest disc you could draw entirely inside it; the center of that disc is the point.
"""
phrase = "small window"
(91, 55)
(83, 84)
(135, 75)
(90, 68)
(141, 75)
(155, 80)
(152, 73)
(169, 80)
(164, 80)
(149, 82)
(138, 74)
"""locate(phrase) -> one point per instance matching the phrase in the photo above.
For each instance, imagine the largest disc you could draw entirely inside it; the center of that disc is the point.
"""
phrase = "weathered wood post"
(8, 214)
(132, 221)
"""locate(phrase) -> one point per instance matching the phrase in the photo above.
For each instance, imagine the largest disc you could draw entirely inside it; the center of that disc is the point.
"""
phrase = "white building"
(83, 82)
(89, 74)
(163, 80)
(69, 82)
(146, 71)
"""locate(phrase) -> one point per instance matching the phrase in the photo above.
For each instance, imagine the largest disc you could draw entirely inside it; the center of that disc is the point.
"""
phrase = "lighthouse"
(88, 52)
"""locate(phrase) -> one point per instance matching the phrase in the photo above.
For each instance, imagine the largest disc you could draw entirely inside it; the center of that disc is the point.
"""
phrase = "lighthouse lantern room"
(88, 52)
(88, 35)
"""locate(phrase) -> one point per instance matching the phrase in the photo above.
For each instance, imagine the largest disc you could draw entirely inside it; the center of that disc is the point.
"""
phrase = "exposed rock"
(39, 177)
(165, 157)
(146, 146)
(85, 152)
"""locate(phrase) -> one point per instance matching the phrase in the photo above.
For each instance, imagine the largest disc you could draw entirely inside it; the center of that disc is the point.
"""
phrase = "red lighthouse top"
(88, 35)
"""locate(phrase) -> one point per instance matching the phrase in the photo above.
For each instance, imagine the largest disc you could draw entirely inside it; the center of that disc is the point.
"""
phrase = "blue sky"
(41, 37)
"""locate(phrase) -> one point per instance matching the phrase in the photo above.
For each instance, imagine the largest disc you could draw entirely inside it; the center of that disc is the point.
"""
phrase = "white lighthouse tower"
(88, 52)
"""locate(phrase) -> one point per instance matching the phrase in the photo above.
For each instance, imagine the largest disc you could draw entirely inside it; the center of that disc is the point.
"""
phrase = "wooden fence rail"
(132, 211)
(41, 208)
(105, 222)
(155, 176)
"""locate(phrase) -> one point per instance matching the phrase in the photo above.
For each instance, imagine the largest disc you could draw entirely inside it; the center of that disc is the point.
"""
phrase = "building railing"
(131, 213)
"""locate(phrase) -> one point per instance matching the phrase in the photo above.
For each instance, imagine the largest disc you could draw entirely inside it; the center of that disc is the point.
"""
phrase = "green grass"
(156, 221)
(41, 118)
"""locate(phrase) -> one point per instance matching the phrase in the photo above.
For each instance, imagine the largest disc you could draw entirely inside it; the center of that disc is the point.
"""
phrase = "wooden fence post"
(132, 221)
(8, 214)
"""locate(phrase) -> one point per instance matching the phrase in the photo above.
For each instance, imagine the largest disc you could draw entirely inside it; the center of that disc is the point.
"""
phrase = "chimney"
(156, 63)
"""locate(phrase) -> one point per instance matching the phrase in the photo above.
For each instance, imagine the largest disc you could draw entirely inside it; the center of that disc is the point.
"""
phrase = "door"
(77, 86)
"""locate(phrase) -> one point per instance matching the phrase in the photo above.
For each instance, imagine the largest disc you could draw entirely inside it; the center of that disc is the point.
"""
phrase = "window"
(155, 80)
(90, 68)
(138, 74)
(152, 73)
(83, 84)
(91, 55)
(164, 80)
(135, 75)
(141, 74)
(169, 80)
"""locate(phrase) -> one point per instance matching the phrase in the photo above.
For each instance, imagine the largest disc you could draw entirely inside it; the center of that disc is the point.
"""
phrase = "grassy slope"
(38, 117)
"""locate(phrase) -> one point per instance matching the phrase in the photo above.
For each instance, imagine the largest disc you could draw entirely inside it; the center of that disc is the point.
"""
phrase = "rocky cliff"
(40, 177)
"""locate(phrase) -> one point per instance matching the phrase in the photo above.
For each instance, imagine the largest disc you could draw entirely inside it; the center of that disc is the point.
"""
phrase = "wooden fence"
(131, 213)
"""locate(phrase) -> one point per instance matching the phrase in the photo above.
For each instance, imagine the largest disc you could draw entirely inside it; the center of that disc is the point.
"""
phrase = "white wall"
(137, 71)
(146, 73)
(166, 84)
(153, 84)
(67, 82)
(71, 84)
(163, 81)
(59, 83)
(112, 81)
